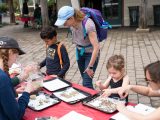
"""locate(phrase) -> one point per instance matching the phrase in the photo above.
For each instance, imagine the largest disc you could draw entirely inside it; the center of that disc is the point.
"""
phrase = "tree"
(11, 11)
(44, 13)
(142, 13)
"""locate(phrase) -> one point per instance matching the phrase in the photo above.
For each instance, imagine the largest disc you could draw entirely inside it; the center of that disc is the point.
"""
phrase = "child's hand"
(99, 84)
(107, 92)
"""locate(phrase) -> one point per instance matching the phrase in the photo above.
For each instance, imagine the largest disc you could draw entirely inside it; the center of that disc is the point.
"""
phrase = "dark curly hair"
(48, 33)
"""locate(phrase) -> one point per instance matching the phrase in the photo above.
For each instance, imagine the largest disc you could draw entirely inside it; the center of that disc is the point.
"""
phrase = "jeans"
(83, 62)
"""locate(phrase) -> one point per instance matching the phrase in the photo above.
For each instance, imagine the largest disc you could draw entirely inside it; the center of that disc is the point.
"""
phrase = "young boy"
(52, 60)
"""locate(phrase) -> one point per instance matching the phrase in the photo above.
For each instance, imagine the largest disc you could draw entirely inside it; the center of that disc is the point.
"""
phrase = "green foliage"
(3, 7)
(51, 2)
(16, 6)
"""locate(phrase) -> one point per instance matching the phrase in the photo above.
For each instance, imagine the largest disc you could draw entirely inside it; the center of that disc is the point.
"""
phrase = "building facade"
(121, 12)
(152, 5)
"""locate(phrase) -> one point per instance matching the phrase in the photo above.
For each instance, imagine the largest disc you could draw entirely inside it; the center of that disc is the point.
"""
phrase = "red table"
(26, 19)
(63, 108)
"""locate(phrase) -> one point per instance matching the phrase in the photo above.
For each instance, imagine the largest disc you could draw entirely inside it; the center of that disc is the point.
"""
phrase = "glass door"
(112, 11)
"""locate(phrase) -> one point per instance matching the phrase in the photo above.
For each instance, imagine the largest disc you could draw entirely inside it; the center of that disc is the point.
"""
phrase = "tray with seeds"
(41, 101)
(104, 104)
(71, 95)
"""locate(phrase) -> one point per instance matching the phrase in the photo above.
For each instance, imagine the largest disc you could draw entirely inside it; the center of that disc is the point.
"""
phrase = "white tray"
(55, 84)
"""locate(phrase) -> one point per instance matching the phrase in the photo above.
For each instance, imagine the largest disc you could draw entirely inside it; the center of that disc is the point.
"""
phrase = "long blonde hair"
(78, 15)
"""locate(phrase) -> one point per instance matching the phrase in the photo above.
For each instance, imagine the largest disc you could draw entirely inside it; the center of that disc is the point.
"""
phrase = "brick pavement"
(139, 49)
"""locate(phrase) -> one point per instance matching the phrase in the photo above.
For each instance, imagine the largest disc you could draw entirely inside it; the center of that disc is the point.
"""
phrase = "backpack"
(59, 54)
(101, 25)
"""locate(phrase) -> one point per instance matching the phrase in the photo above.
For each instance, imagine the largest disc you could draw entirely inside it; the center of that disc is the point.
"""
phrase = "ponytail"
(79, 15)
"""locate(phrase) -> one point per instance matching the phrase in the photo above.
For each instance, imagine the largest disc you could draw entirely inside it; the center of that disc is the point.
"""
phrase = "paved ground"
(139, 49)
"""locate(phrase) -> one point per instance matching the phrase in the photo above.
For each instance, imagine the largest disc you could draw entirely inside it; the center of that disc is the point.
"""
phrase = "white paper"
(68, 92)
(139, 108)
(75, 116)
(144, 109)
(54, 84)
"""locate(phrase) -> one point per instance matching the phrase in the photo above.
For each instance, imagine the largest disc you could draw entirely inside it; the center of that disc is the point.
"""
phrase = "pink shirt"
(78, 35)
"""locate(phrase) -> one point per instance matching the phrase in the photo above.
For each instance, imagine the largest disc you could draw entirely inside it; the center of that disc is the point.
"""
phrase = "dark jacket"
(10, 109)
(52, 61)
(37, 13)
(25, 8)
(15, 81)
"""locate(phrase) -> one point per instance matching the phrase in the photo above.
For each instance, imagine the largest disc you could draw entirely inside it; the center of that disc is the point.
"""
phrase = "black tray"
(52, 88)
(72, 101)
(110, 108)
(42, 99)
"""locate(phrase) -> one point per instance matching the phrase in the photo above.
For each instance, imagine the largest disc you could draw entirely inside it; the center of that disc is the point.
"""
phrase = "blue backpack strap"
(83, 25)
(77, 56)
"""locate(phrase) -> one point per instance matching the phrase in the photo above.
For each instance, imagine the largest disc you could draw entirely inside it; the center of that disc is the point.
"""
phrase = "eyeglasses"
(148, 80)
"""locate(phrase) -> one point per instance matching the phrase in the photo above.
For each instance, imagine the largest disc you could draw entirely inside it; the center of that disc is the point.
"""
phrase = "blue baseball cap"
(64, 13)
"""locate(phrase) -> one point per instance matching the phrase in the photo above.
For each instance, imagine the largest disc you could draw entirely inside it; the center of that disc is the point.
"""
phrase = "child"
(52, 60)
(116, 79)
(10, 108)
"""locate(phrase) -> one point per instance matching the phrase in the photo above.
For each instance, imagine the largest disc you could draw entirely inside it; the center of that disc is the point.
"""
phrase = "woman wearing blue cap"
(87, 48)
(10, 108)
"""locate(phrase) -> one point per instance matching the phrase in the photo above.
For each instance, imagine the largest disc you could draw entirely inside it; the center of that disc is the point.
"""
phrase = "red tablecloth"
(26, 19)
(63, 108)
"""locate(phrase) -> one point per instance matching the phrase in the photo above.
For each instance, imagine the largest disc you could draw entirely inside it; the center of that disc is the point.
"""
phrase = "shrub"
(3, 7)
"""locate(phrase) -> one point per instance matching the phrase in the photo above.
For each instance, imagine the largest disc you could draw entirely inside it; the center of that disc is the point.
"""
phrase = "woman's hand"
(32, 86)
(120, 106)
(89, 72)
(20, 89)
(123, 92)
(25, 73)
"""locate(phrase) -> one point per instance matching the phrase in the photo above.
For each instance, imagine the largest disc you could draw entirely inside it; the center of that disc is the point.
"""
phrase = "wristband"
(89, 67)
